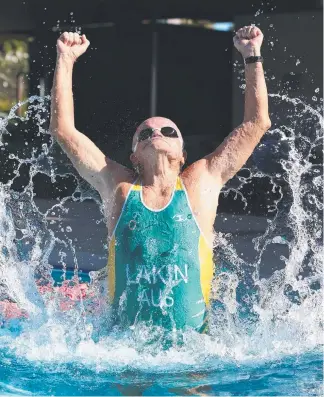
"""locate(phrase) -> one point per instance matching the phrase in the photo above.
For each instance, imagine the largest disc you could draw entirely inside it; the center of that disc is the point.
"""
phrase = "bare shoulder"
(118, 183)
(196, 177)
(203, 188)
(118, 177)
(203, 193)
(118, 173)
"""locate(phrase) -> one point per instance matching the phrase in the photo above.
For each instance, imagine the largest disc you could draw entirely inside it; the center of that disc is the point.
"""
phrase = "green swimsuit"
(160, 266)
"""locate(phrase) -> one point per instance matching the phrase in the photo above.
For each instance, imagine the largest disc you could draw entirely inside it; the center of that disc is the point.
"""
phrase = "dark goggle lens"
(169, 132)
(145, 134)
(165, 131)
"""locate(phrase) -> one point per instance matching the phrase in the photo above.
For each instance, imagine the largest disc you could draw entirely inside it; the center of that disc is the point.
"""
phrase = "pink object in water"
(10, 310)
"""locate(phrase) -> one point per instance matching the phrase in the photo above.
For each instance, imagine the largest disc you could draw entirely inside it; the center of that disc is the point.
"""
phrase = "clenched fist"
(248, 41)
(72, 44)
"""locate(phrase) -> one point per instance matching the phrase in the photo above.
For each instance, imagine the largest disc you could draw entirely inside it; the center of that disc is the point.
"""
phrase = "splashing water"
(254, 319)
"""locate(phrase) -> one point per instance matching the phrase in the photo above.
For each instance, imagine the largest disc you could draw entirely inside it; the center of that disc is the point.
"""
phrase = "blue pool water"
(289, 376)
(69, 274)
(34, 363)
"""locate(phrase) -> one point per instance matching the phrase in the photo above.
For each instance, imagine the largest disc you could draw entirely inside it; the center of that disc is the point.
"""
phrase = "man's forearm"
(230, 156)
(256, 95)
(62, 109)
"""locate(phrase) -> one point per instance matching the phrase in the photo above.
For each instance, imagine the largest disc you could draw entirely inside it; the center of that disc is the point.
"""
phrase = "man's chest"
(199, 197)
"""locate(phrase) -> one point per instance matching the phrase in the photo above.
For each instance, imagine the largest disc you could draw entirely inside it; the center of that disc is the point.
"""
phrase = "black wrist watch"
(253, 59)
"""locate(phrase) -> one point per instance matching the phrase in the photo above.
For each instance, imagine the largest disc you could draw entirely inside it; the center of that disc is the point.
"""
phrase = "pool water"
(289, 376)
(69, 274)
(54, 360)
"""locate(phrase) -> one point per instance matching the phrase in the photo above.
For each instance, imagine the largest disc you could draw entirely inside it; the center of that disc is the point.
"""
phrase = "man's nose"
(156, 133)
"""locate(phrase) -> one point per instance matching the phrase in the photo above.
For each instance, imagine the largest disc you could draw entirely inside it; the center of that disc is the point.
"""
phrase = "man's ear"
(133, 159)
(184, 154)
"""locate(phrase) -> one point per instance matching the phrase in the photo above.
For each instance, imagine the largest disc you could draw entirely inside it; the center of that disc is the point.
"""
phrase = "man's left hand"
(248, 41)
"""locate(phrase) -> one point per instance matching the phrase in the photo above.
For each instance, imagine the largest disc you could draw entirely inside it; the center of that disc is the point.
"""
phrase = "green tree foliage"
(13, 62)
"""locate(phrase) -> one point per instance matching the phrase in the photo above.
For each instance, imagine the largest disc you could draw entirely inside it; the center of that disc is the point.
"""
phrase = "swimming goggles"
(168, 132)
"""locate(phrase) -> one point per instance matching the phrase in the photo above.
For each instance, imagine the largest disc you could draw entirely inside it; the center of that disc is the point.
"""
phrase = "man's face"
(157, 142)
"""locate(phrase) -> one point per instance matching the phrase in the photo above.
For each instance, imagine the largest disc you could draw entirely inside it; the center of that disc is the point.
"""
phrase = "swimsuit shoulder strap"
(179, 185)
(136, 186)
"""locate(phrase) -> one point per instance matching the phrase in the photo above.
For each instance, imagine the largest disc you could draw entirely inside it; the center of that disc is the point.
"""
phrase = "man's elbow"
(262, 123)
(52, 129)
(60, 129)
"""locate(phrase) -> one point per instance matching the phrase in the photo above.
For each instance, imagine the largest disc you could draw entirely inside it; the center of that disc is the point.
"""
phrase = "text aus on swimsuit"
(168, 275)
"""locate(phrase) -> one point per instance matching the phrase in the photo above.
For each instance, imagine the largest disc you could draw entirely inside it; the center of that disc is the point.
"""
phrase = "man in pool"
(160, 216)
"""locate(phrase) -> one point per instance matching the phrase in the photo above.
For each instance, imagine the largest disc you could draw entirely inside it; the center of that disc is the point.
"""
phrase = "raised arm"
(234, 151)
(86, 157)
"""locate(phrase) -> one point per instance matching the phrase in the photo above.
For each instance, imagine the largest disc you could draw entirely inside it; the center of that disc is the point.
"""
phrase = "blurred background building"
(170, 58)
(173, 58)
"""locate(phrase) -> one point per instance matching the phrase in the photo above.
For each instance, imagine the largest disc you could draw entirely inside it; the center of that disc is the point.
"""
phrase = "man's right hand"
(72, 45)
